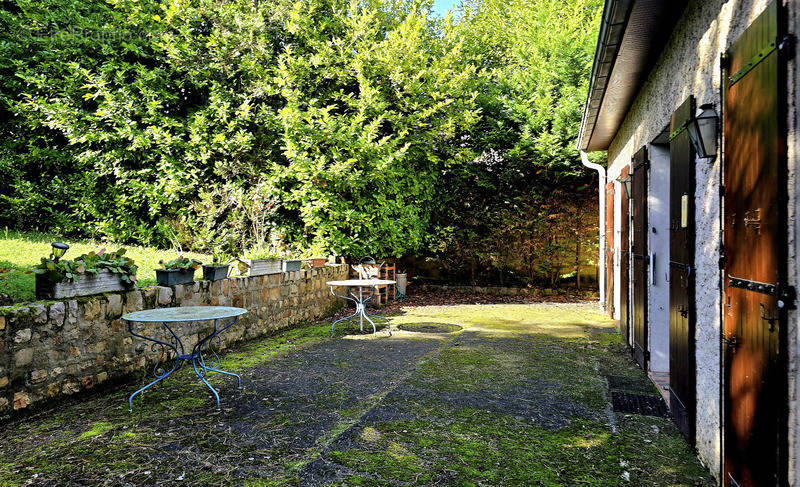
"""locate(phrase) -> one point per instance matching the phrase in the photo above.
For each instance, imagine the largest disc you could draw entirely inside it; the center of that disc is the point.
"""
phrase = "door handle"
(652, 268)
(769, 319)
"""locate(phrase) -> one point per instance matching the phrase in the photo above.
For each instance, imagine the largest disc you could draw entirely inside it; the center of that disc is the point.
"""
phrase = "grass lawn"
(19, 251)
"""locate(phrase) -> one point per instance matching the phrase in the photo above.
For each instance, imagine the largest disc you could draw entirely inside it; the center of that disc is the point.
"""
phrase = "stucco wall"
(793, 146)
(56, 349)
(689, 65)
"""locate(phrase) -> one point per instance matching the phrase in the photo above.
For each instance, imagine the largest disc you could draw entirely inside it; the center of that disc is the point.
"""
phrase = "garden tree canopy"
(524, 202)
(361, 126)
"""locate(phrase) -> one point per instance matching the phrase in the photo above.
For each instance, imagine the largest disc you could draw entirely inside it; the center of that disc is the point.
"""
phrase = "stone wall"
(49, 350)
(498, 290)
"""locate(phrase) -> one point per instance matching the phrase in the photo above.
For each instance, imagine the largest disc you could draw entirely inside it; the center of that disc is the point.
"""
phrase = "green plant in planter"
(63, 270)
(315, 251)
(221, 259)
(181, 264)
(219, 268)
(261, 253)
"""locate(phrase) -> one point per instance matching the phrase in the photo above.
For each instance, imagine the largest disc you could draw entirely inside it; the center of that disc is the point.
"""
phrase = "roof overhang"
(632, 35)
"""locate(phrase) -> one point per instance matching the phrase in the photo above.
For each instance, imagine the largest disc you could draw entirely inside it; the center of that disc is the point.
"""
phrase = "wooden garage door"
(609, 270)
(624, 265)
(755, 298)
(640, 257)
(681, 271)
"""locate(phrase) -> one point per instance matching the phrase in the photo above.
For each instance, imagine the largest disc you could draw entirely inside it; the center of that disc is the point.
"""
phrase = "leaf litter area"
(515, 394)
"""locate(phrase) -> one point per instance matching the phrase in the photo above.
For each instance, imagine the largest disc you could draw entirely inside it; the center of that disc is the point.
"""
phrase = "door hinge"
(731, 341)
(786, 45)
(724, 62)
(723, 260)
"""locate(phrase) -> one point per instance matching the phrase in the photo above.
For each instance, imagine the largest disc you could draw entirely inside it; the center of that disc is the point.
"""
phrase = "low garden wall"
(54, 349)
(492, 290)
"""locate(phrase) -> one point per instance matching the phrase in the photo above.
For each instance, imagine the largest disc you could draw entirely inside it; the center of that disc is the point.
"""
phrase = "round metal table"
(361, 303)
(174, 346)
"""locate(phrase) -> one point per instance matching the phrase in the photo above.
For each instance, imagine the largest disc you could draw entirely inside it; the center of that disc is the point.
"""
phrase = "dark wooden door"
(624, 265)
(609, 270)
(681, 271)
(754, 172)
(640, 258)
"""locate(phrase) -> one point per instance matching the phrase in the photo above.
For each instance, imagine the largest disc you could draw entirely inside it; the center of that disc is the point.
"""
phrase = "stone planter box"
(172, 277)
(260, 267)
(215, 272)
(103, 282)
(291, 265)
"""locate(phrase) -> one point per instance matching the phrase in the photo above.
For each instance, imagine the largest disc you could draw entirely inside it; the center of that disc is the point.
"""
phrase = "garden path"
(514, 394)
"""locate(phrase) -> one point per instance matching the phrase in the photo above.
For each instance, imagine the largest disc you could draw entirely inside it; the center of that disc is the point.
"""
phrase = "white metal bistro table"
(173, 345)
(361, 303)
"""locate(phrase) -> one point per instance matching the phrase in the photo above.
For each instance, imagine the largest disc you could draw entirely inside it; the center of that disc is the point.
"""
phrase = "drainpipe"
(601, 183)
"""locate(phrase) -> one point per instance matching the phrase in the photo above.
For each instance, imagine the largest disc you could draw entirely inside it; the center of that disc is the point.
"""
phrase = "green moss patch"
(429, 327)
(518, 397)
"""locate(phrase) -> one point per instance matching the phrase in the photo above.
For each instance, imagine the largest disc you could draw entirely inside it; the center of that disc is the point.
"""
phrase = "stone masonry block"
(22, 336)
(114, 308)
(164, 295)
(21, 400)
(91, 309)
(23, 357)
(56, 313)
(40, 314)
(38, 376)
(133, 301)
(72, 311)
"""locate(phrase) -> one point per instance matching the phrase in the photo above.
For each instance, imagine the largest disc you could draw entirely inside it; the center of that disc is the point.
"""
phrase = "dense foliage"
(357, 127)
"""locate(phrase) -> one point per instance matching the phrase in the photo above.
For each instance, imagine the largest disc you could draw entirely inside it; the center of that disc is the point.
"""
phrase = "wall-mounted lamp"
(627, 186)
(703, 131)
(59, 249)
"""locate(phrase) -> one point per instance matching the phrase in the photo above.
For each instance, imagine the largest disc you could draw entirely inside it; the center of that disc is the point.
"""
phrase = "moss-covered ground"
(514, 395)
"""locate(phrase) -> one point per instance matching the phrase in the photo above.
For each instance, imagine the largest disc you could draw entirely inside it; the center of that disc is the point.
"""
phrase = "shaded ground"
(519, 396)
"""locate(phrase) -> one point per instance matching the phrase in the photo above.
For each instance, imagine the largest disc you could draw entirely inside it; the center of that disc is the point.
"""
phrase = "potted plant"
(291, 265)
(91, 273)
(312, 256)
(258, 262)
(177, 271)
(216, 271)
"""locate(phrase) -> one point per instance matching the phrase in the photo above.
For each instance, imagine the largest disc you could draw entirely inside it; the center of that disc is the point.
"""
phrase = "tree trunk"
(578, 261)
(472, 266)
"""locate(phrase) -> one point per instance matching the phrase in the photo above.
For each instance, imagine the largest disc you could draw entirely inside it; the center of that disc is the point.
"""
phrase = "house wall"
(52, 350)
(689, 65)
(793, 156)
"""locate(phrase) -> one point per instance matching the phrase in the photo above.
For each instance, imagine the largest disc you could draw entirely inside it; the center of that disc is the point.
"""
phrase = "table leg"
(201, 366)
(160, 376)
(202, 378)
(346, 318)
(360, 307)
(365, 315)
